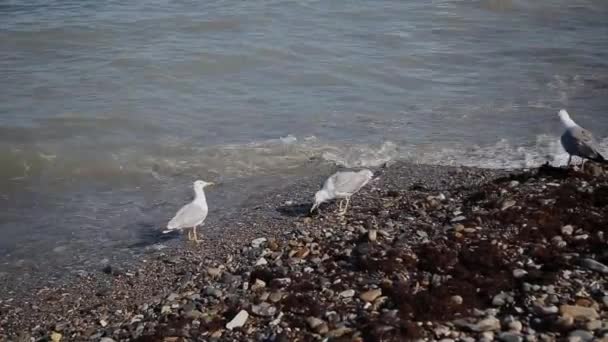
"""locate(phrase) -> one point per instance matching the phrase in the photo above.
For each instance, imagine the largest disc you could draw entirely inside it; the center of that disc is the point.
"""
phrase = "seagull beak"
(210, 183)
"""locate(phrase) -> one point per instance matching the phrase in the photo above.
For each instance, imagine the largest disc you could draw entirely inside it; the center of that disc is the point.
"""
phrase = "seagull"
(578, 141)
(342, 185)
(192, 214)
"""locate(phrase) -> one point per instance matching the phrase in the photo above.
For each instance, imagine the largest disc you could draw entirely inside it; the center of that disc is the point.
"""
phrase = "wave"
(273, 156)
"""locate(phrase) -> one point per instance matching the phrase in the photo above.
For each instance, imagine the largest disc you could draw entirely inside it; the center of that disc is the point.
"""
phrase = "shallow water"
(109, 109)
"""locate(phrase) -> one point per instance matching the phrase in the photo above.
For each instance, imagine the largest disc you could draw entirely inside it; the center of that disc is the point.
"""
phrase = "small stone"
(216, 334)
(302, 253)
(567, 230)
(515, 326)
(256, 243)
(276, 296)
(580, 335)
(263, 309)
(259, 284)
(103, 323)
(372, 235)
(261, 262)
(441, 331)
(545, 310)
(487, 336)
(338, 332)
(513, 184)
(317, 325)
(194, 314)
(213, 292)
(214, 272)
(371, 295)
(172, 297)
(458, 219)
(519, 273)
(593, 325)
(565, 321)
(486, 324)
(510, 337)
(576, 311)
(165, 309)
(456, 300)
(507, 204)
(347, 293)
(500, 299)
(56, 337)
(238, 320)
(595, 266)
(107, 339)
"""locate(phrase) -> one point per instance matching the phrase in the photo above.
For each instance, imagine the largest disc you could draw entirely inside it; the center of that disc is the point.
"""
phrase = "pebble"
(347, 293)
(519, 273)
(486, 324)
(106, 339)
(458, 219)
(259, 284)
(213, 292)
(595, 266)
(264, 309)
(256, 243)
(507, 204)
(371, 295)
(580, 335)
(276, 296)
(545, 310)
(261, 262)
(593, 325)
(456, 300)
(515, 326)
(567, 230)
(372, 235)
(576, 311)
(338, 332)
(214, 272)
(317, 325)
(56, 337)
(501, 299)
(510, 337)
(238, 321)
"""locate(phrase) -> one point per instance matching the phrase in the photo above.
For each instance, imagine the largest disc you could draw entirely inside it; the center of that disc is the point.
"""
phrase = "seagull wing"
(585, 144)
(348, 182)
(189, 215)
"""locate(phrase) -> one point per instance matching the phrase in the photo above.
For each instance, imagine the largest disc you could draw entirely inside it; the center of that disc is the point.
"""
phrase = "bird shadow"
(296, 210)
(148, 234)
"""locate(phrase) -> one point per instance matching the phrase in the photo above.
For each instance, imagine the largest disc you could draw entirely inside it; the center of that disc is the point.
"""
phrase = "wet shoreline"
(404, 242)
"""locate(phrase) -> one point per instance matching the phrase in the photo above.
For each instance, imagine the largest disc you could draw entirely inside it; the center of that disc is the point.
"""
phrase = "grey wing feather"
(349, 182)
(188, 216)
(584, 143)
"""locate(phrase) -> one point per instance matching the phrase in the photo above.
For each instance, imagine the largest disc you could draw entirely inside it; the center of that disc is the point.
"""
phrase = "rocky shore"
(424, 253)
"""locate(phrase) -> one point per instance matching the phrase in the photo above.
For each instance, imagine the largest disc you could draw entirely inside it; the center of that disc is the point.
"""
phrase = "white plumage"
(342, 185)
(578, 141)
(192, 214)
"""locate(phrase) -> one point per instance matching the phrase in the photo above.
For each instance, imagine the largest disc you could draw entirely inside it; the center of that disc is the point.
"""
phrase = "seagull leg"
(569, 160)
(346, 206)
(340, 205)
(194, 233)
(189, 234)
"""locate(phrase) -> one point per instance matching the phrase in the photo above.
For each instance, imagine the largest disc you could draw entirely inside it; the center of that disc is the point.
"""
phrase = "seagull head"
(320, 197)
(565, 118)
(200, 184)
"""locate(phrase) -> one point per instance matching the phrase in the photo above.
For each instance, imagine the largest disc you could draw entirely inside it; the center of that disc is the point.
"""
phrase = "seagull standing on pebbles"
(342, 185)
(192, 214)
(578, 141)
